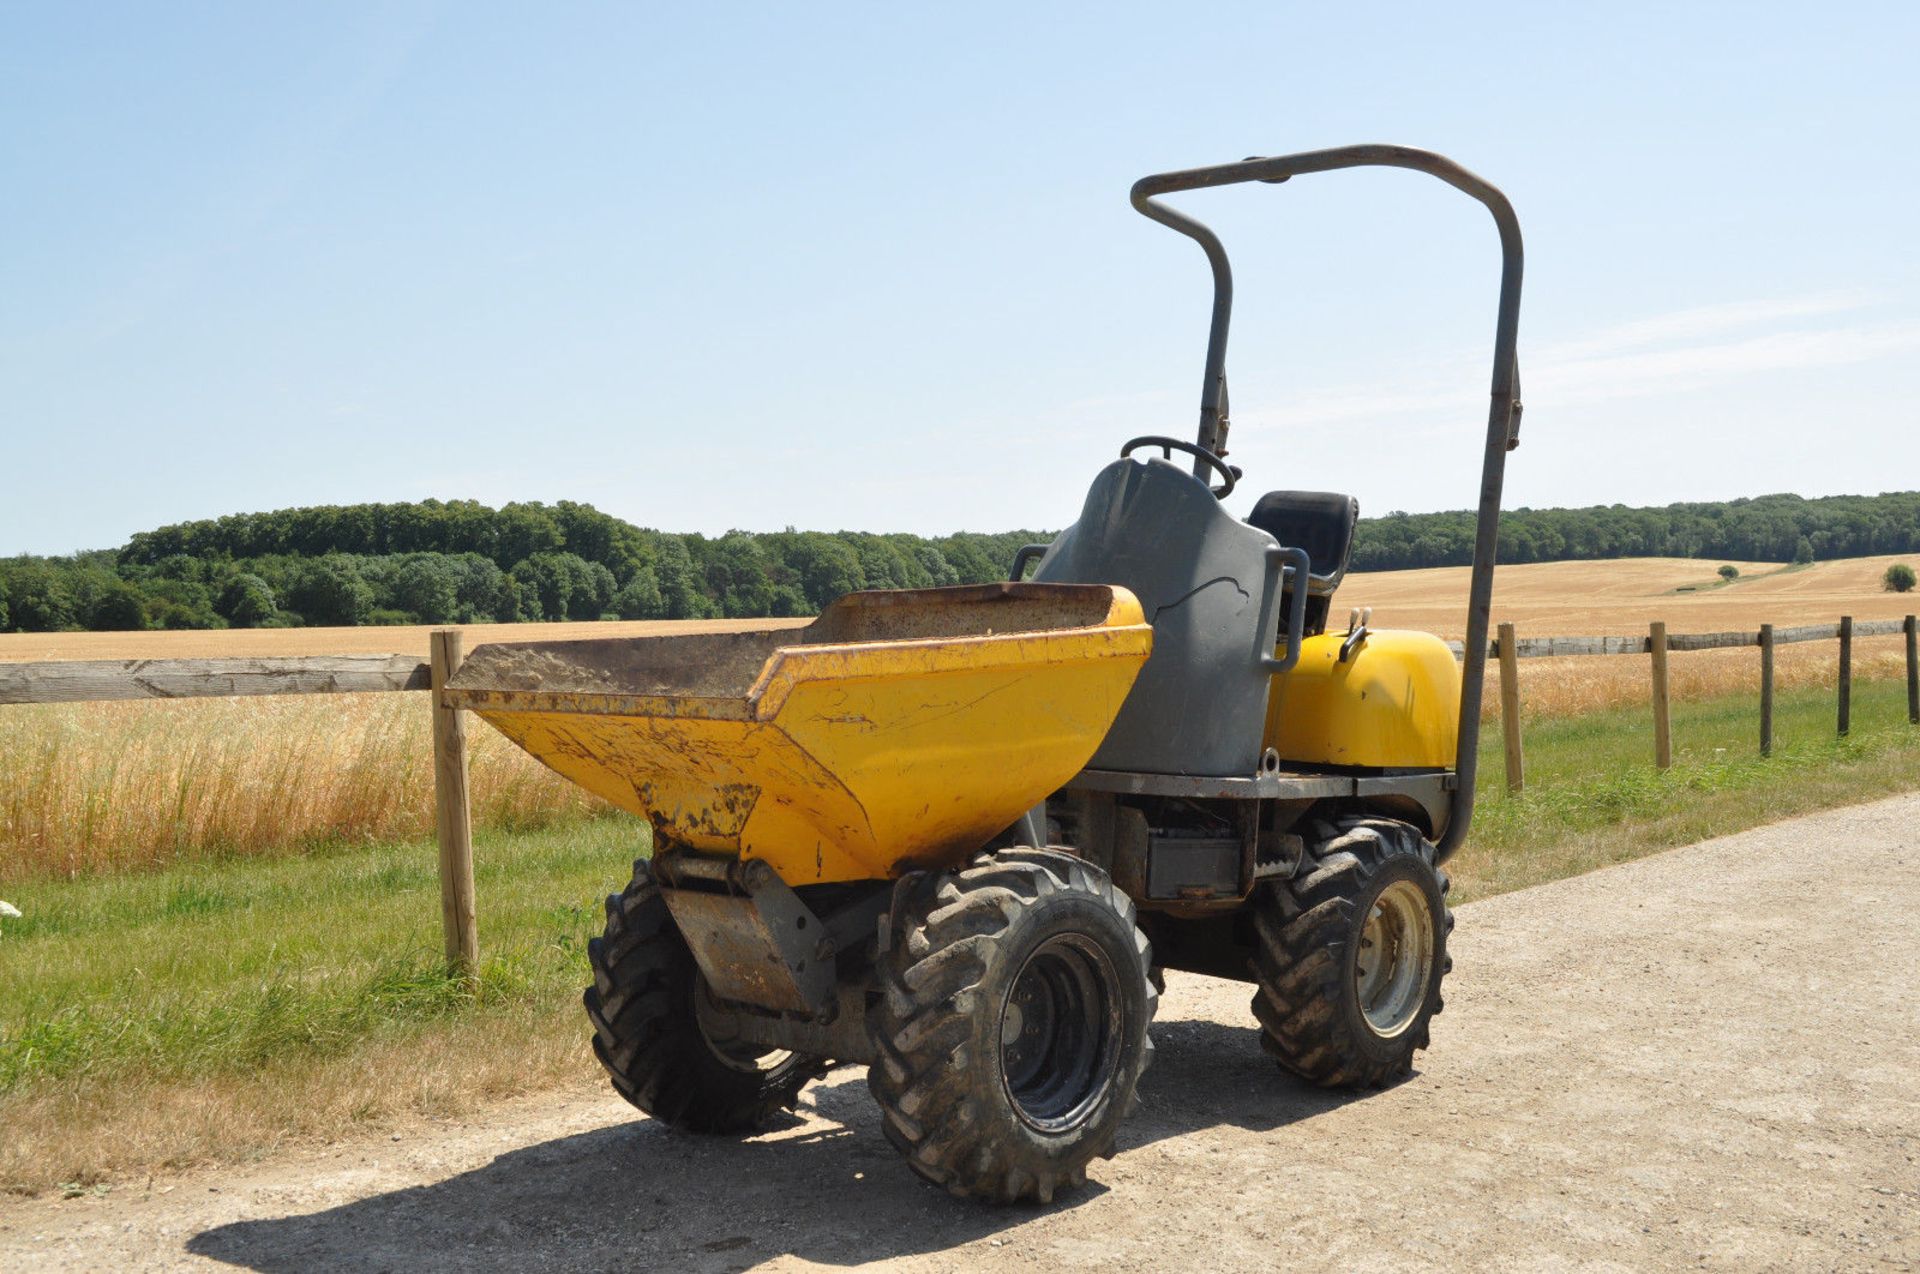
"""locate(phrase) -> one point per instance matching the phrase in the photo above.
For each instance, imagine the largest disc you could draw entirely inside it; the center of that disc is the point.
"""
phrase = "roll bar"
(1503, 418)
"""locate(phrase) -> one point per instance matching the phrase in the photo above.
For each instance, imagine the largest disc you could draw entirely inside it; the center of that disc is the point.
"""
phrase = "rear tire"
(1012, 1026)
(1349, 956)
(648, 1031)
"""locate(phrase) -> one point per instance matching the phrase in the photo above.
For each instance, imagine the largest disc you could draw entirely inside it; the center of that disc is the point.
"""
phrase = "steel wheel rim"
(1059, 1033)
(1394, 963)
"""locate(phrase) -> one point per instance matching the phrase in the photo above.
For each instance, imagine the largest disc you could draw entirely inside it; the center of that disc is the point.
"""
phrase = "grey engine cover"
(1200, 704)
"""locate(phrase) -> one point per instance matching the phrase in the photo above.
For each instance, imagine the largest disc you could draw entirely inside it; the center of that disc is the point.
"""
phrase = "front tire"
(1012, 1026)
(651, 1035)
(1349, 956)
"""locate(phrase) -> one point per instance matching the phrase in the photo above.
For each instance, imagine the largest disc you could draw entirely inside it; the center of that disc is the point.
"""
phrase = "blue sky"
(874, 267)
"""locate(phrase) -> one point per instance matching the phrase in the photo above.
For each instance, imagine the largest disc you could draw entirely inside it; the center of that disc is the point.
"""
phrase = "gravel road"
(1706, 1058)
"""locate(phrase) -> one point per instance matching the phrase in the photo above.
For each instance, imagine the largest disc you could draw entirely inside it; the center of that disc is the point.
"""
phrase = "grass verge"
(1593, 797)
(213, 1011)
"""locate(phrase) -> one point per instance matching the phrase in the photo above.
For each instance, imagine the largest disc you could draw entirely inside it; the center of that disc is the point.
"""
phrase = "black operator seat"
(1322, 523)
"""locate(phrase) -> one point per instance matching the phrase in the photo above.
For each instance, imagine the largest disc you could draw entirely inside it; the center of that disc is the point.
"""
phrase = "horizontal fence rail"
(93, 680)
(1565, 647)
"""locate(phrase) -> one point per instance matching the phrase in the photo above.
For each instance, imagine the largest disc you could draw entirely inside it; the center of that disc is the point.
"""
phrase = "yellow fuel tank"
(1393, 703)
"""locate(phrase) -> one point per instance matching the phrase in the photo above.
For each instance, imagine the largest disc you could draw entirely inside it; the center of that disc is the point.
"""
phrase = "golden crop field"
(1621, 597)
(1625, 595)
(86, 787)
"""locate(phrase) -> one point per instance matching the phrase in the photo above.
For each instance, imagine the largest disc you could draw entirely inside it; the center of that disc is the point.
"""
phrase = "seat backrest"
(1199, 705)
(1321, 522)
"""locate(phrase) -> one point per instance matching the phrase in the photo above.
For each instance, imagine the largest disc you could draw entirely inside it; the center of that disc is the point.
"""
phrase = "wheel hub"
(1394, 964)
(1058, 1029)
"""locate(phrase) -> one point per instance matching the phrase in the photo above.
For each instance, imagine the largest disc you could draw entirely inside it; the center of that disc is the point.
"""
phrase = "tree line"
(459, 561)
(435, 562)
(1768, 528)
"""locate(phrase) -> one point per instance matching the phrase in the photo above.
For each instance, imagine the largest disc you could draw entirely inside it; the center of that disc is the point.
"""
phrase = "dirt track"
(1710, 1058)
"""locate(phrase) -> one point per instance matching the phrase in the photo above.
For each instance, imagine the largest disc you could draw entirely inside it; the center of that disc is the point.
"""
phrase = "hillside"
(461, 562)
(1551, 598)
(1543, 598)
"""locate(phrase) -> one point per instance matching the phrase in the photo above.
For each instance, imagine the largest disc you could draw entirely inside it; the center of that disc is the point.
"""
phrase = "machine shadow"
(640, 1196)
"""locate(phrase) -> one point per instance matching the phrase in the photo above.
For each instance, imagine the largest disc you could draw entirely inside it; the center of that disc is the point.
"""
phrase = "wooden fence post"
(452, 817)
(1846, 674)
(1766, 690)
(1662, 720)
(1913, 672)
(1510, 708)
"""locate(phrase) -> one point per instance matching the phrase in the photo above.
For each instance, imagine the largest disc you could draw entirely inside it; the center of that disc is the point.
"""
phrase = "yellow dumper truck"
(956, 834)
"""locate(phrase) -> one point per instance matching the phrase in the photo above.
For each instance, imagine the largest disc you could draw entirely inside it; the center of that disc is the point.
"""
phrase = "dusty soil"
(1707, 1058)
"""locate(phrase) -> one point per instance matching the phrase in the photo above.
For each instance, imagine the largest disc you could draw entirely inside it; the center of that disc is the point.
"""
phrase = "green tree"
(827, 566)
(329, 592)
(180, 603)
(1898, 579)
(426, 587)
(564, 585)
(523, 530)
(481, 590)
(119, 607)
(680, 589)
(38, 596)
(1729, 573)
(639, 597)
(739, 574)
(1803, 552)
(247, 601)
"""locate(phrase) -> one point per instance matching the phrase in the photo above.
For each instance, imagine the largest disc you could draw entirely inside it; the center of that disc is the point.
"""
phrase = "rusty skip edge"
(791, 665)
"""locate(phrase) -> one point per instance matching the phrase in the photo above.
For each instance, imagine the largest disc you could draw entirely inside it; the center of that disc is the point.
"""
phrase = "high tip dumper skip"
(955, 834)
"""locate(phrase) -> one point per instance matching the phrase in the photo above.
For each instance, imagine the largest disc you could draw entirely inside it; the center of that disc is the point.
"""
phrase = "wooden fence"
(1507, 649)
(76, 681)
(83, 681)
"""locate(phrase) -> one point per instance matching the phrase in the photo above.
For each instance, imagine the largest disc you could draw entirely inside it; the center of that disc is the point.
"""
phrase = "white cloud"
(1703, 320)
(1657, 355)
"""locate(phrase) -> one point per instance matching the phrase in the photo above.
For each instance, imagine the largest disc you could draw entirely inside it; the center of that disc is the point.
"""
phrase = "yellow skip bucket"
(900, 729)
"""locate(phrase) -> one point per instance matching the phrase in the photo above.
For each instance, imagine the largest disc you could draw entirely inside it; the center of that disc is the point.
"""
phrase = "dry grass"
(240, 642)
(1622, 597)
(1573, 686)
(1625, 595)
(77, 1135)
(117, 786)
(93, 787)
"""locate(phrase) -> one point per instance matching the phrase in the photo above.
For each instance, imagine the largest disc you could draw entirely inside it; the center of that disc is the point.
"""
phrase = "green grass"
(1593, 795)
(202, 1011)
(209, 968)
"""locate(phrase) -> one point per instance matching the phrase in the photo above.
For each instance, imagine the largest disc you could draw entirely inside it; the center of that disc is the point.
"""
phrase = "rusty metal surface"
(703, 674)
(843, 1037)
(762, 946)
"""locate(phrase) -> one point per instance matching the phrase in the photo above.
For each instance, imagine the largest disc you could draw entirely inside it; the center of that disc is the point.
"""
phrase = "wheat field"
(110, 786)
(1621, 597)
